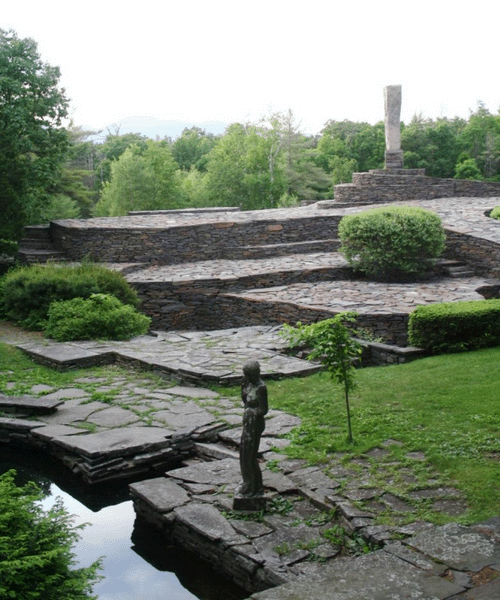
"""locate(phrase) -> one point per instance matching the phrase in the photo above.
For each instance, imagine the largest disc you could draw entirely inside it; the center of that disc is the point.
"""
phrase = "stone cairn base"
(396, 184)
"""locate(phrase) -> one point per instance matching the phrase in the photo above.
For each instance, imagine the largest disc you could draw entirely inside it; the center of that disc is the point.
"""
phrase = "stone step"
(28, 243)
(41, 255)
(28, 405)
(461, 272)
(455, 268)
(37, 231)
(283, 249)
(217, 451)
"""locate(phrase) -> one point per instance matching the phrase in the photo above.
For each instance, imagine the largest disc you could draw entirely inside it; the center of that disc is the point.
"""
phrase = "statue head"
(251, 370)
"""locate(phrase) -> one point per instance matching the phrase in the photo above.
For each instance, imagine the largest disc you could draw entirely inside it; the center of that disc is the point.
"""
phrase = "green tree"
(432, 145)
(33, 141)
(143, 178)
(244, 170)
(342, 169)
(110, 150)
(78, 181)
(36, 561)
(466, 168)
(346, 145)
(481, 140)
(305, 177)
(191, 148)
(332, 344)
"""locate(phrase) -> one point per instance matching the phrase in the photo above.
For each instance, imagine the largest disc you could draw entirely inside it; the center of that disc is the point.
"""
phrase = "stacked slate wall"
(186, 243)
(398, 185)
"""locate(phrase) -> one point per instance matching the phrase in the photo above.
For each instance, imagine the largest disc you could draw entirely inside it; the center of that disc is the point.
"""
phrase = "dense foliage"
(392, 243)
(33, 141)
(36, 561)
(27, 292)
(455, 326)
(143, 178)
(99, 317)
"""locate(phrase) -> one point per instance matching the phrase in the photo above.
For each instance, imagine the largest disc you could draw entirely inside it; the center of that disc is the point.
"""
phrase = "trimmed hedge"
(392, 243)
(27, 292)
(100, 317)
(455, 326)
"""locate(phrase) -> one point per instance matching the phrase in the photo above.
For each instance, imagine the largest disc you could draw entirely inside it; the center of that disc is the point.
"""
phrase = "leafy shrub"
(495, 213)
(8, 247)
(455, 326)
(29, 291)
(36, 560)
(99, 317)
(392, 243)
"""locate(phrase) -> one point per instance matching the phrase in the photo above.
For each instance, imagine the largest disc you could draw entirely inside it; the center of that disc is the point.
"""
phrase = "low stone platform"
(296, 548)
(189, 356)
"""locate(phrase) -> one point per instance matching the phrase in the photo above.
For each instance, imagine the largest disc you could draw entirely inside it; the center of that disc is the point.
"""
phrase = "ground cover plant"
(394, 243)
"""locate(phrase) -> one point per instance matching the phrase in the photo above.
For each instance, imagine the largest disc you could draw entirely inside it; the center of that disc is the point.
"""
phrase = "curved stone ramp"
(192, 356)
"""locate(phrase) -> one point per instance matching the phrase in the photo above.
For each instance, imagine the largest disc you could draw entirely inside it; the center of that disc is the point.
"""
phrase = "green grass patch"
(445, 406)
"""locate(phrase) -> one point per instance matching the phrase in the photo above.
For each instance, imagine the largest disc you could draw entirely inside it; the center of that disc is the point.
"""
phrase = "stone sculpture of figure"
(254, 396)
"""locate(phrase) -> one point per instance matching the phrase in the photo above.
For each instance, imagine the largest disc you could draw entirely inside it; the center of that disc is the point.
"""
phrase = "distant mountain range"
(152, 127)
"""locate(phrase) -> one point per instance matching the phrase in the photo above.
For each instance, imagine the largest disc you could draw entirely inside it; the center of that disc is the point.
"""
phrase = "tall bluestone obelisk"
(393, 152)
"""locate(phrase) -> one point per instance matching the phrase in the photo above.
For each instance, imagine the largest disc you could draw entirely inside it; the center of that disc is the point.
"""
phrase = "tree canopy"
(143, 178)
(33, 140)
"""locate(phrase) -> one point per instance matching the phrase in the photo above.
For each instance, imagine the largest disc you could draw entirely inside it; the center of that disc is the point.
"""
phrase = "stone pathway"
(189, 356)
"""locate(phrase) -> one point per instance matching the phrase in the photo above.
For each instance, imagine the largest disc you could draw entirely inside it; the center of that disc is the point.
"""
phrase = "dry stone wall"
(396, 185)
(186, 243)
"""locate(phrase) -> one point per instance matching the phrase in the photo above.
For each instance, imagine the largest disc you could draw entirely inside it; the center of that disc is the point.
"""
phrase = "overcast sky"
(205, 60)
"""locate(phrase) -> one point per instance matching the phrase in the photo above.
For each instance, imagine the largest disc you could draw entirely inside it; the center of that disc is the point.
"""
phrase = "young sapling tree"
(333, 346)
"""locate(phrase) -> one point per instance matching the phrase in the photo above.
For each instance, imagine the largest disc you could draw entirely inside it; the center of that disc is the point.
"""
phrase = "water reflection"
(139, 570)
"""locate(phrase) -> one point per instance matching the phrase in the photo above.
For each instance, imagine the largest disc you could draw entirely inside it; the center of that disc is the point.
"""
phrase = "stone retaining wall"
(208, 309)
(481, 254)
(396, 185)
(186, 243)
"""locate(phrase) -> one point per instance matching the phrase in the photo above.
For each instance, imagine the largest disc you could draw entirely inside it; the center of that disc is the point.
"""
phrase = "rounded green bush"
(100, 317)
(495, 213)
(27, 292)
(392, 243)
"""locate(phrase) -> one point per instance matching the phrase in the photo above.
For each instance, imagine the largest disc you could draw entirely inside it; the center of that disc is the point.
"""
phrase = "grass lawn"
(445, 406)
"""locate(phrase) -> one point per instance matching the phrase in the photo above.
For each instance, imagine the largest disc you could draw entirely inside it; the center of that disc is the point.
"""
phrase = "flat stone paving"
(196, 356)
(464, 214)
(366, 297)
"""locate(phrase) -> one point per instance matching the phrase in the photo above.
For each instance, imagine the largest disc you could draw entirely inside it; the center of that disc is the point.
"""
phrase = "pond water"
(138, 565)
